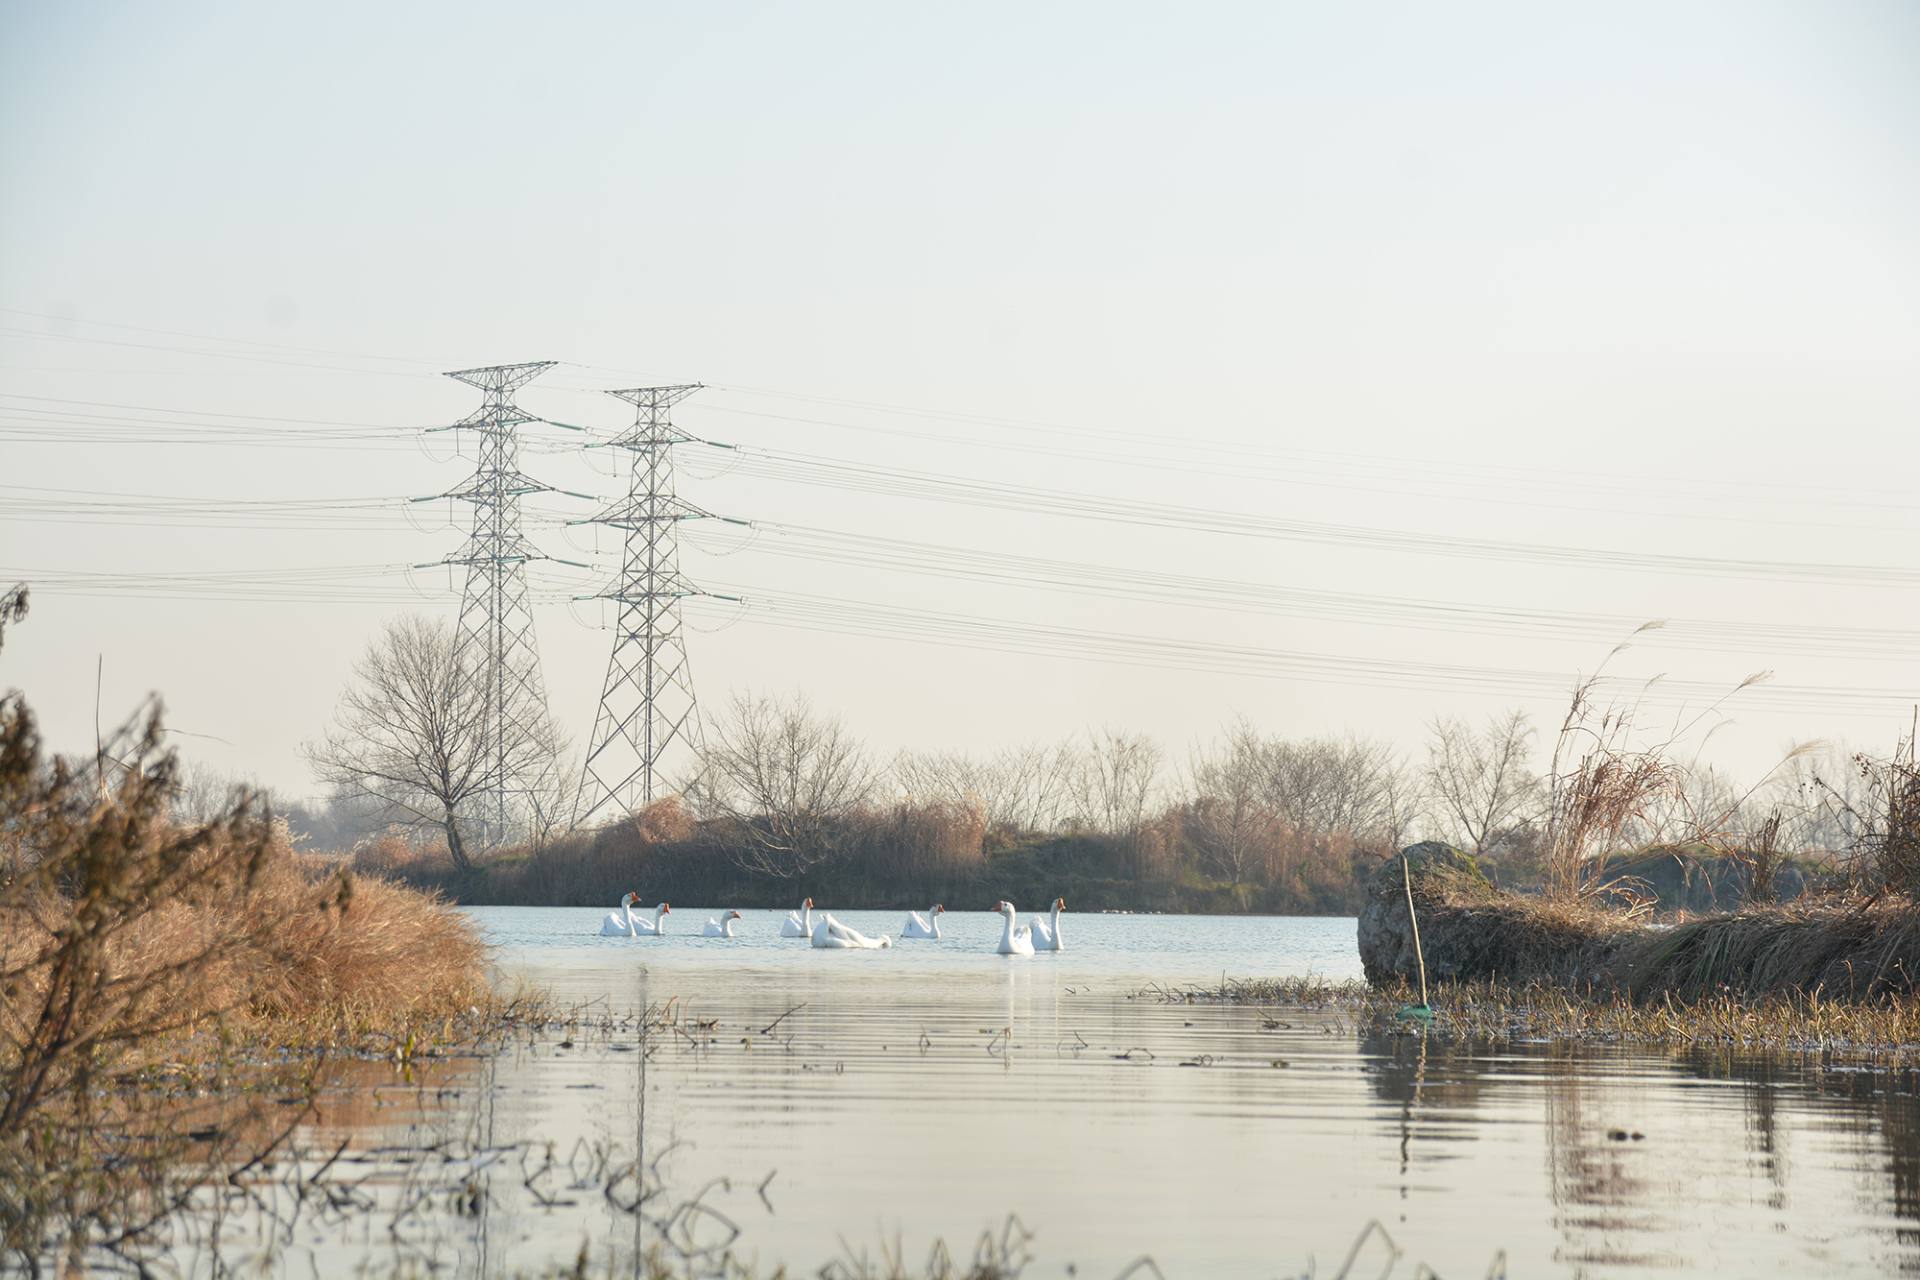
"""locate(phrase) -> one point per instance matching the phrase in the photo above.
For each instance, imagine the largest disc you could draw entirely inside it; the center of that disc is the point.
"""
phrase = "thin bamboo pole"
(1406, 875)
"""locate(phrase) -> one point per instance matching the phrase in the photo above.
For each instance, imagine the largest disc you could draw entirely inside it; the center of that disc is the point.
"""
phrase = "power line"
(1184, 590)
(858, 477)
(874, 619)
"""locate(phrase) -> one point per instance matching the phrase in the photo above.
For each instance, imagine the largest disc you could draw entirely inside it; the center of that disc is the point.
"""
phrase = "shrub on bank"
(898, 856)
(121, 931)
(1842, 946)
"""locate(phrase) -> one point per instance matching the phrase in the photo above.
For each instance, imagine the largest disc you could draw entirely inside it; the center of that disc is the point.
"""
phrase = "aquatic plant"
(1882, 1033)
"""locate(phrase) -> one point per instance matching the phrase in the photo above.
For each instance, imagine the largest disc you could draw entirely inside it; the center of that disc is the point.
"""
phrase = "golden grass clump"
(282, 945)
(142, 959)
(123, 933)
(1853, 948)
(373, 946)
(1849, 950)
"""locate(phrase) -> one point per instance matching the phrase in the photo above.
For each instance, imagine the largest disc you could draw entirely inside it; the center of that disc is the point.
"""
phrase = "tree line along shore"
(781, 801)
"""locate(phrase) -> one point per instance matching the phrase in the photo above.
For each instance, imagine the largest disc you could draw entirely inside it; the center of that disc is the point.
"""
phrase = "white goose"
(626, 926)
(799, 925)
(927, 926)
(721, 927)
(1046, 937)
(1013, 942)
(830, 934)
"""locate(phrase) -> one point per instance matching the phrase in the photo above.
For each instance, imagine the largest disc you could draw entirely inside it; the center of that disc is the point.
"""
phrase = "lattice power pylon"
(647, 703)
(495, 631)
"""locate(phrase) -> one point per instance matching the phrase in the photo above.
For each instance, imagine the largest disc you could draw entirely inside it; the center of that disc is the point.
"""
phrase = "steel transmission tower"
(495, 630)
(647, 703)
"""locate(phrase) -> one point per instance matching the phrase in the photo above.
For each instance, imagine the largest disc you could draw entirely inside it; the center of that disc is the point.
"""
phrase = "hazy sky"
(1405, 290)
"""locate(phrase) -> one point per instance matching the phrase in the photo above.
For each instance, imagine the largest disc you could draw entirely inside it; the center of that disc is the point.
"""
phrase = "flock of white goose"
(828, 934)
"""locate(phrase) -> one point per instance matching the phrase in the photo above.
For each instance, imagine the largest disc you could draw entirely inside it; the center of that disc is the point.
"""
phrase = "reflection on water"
(932, 1092)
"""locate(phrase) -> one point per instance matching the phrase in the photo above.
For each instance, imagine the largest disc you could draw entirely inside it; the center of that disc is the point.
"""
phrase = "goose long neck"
(631, 928)
(1006, 934)
(933, 919)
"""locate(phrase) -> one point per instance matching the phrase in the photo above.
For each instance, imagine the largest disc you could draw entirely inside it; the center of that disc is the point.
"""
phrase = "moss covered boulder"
(1443, 880)
(1470, 930)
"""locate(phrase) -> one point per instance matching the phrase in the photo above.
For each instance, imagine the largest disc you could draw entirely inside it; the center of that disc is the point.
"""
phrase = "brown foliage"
(124, 936)
(1847, 950)
(665, 821)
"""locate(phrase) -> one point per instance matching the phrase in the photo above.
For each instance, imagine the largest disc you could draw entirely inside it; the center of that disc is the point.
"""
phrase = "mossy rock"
(1441, 874)
(1442, 877)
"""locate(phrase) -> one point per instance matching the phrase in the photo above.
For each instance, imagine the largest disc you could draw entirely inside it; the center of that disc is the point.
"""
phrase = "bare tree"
(203, 792)
(13, 608)
(411, 733)
(1479, 779)
(1016, 791)
(1233, 821)
(1112, 782)
(1822, 797)
(1331, 786)
(785, 779)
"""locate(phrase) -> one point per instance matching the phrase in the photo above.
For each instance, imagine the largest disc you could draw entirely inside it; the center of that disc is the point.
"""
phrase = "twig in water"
(764, 1183)
(1394, 1252)
(782, 1018)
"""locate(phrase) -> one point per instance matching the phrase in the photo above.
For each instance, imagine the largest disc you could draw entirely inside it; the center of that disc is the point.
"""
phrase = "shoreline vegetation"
(172, 993)
(595, 869)
(783, 802)
(1884, 1034)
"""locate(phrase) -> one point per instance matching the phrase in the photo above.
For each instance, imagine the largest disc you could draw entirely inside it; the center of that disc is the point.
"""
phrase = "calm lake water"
(933, 1089)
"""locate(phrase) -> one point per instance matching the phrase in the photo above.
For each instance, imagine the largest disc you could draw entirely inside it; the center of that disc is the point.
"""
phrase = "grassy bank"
(1844, 946)
(165, 989)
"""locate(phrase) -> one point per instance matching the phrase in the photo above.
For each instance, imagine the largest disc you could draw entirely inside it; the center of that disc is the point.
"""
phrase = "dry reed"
(1882, 1033)
(140, 958)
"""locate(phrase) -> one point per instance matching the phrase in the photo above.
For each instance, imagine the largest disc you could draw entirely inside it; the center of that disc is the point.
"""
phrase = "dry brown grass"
(1883, 1032)
(1855, 948)
(142, 960)
(286, 946)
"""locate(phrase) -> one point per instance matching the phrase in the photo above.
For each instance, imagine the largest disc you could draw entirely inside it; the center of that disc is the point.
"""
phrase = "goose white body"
(927, 926)
(623, 923)
(830, 935)
(1015, 940)
(799, 923)
(1046, 934)
(720, 926)
(618, 923)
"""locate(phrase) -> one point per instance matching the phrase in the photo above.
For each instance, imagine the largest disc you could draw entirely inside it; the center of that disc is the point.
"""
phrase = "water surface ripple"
(934, 1088)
